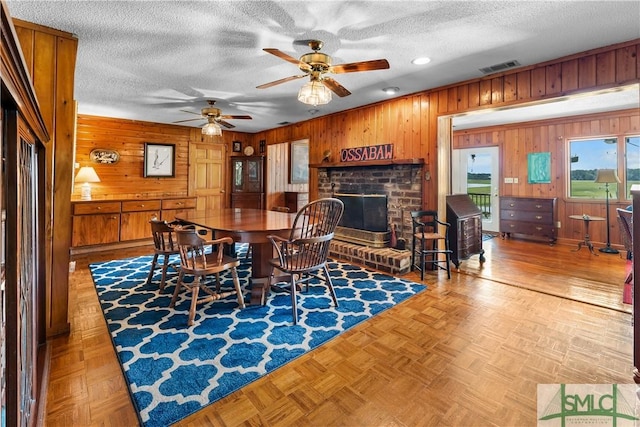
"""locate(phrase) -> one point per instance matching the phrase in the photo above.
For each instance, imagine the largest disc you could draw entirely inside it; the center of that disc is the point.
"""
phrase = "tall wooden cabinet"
(24, 242)
(247, 182)
(465, 233)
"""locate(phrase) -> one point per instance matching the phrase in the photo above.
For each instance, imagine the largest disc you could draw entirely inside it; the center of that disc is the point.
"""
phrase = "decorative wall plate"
(248, 150)
(104, 156)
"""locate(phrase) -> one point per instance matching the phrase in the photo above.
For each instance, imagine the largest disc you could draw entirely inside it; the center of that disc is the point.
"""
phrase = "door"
(206, 176)
(476, 171)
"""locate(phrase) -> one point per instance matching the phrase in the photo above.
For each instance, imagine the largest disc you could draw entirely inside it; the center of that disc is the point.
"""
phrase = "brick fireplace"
(401, 182)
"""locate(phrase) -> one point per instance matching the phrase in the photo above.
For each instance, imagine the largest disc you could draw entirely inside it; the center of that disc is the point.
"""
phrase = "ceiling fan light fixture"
(212, 129)
(314, 93)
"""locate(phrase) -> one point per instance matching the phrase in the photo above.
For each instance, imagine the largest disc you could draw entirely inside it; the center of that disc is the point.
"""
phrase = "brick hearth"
(402, 183)
(388, 260)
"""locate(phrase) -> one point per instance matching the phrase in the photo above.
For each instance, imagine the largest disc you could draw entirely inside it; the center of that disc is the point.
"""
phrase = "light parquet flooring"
(469, 351)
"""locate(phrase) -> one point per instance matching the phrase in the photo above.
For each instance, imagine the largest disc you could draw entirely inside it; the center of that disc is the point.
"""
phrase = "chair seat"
(210, 264)
(428, 236)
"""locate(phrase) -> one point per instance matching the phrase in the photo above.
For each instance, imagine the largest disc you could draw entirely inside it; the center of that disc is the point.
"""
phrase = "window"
(586, 156)
(632, 160)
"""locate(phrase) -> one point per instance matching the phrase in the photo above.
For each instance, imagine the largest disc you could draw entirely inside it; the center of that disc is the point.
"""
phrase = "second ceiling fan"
(316, 64)
(213, 115)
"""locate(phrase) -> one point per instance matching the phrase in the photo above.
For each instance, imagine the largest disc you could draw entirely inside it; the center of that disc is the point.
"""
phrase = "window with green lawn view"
(632, 157)
(587, 156)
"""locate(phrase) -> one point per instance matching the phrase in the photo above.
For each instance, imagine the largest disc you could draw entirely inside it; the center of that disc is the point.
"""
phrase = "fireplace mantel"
(367, 163)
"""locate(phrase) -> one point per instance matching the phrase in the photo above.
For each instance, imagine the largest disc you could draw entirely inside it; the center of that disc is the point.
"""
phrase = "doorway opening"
(476, 172)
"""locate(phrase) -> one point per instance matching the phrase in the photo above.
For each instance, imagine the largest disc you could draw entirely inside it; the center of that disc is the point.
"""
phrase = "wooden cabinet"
(465, 233)
(295, 200)
(247, 182)
(105, 222)
(529, 216)
(184, 208)
(135, 217)
(95, 223)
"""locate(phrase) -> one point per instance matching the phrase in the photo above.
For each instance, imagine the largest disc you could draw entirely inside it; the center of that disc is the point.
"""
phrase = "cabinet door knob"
(99, 207)
(512, 204)
(538, 217)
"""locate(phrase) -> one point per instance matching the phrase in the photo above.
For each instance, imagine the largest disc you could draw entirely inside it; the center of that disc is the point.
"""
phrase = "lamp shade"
(607, 176)
(87, 174)
(314, 93)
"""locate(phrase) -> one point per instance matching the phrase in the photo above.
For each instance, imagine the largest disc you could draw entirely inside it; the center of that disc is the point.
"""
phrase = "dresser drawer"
(141, 205)
(543, 217)
(96, 208)
(526, 204)
(530, 228)
(187, 203)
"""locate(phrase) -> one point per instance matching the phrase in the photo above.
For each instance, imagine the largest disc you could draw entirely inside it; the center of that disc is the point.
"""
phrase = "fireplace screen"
(364, 211)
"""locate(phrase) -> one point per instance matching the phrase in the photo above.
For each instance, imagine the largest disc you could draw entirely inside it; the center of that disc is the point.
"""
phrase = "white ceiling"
(148, 60)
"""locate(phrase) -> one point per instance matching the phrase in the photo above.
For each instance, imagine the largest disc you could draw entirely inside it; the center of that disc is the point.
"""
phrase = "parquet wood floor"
(469, 351)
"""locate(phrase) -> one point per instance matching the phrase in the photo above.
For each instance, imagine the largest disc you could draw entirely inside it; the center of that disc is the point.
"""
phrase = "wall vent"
(500, 67)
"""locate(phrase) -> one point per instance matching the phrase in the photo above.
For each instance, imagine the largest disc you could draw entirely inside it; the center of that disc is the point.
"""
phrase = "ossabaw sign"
(372, 152)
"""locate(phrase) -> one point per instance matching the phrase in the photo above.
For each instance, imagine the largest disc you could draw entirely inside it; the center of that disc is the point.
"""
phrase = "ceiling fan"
(316, 64)
(213, 116)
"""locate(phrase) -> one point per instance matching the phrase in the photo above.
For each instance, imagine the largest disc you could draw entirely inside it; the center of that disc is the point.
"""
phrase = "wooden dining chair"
(429, 235)
(164, 245)
(194, 261)
(304, 254)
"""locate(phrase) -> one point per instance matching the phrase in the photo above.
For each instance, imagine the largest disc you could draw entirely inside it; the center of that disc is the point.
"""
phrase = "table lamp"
(607, 176)
(86, 175)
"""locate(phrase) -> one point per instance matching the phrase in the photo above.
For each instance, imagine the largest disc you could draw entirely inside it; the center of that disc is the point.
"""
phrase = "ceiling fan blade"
(191, 112)
(277, 82)
(374, 64)
(235, 117)
(225, 124)
(336, 87)
(188, 120)
(280, 54)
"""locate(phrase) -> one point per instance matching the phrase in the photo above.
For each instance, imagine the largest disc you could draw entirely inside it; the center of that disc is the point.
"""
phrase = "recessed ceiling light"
(391, 90)
(421, 61)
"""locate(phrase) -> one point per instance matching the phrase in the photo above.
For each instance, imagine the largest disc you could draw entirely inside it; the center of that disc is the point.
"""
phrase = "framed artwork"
(237, 146)
(299, 162)
(539, 168)
(159, 160)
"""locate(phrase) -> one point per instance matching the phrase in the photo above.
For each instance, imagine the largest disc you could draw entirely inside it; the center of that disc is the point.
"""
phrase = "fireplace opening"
(364, 211)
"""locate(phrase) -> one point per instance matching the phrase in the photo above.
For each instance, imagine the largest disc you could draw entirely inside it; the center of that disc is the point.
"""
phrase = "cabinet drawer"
(141, 205)
(529, 216)
(96, 208)
(527, 228)
(189, 203)
(526, 204)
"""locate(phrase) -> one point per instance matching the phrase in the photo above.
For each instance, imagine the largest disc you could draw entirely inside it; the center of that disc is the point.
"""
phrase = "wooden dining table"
(249, 226)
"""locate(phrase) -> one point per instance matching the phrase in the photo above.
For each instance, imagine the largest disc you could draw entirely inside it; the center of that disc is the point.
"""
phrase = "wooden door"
(207, 176)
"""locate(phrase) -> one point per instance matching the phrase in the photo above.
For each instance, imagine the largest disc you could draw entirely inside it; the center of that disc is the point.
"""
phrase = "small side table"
(587, 239)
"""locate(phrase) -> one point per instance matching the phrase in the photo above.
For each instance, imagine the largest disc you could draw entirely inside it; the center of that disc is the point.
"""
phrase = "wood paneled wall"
(50, 56)
(410, 122)
(517, 140)
(125, 179)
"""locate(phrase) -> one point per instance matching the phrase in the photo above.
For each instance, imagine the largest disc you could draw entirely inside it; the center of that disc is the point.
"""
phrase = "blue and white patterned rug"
(173, 370)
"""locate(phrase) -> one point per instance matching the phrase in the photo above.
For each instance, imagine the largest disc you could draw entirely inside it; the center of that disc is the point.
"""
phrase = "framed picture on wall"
(539, 168)
(159, 160)
(237, 146)
(299, 162)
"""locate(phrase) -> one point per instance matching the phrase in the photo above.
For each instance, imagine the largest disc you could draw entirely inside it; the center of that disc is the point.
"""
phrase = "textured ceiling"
(148, 60)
